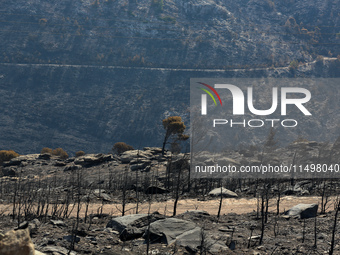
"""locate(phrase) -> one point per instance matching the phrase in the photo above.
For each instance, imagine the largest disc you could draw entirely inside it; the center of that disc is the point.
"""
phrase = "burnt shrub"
(46, 150)
(7, 155)
(121, 147)
(60, 153)
(80, 153)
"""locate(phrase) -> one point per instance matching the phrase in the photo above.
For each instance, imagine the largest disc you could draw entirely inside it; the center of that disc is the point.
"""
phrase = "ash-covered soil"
(46, 193)
(282, 235)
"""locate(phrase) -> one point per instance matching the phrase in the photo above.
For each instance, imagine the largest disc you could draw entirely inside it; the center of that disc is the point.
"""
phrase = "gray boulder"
(134, 220)
(216, 247)
(59, 163)
(9, 171)
(303, 186)
(101, 194)
(167, 230)
(23, 158)
(127, 156)
(195, 213)
(39, 253)
(185, 234)
(58, 223)
(153, 150)
(304, 211)
(92, 159)
(179, 164)
(71, 167)
(225, 193)
(16, 243)
(139, 166)
(57, 250)
(191, 239)
(140, 161)
(132, 226)
(131, 233)
(33, 226)
(224, 161)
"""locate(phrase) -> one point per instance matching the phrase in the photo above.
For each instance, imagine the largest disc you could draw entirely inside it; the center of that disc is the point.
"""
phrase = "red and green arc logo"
(209, 93)
(204, 97)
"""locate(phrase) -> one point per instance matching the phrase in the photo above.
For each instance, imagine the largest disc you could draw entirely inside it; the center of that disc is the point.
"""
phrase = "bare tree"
(278, 198)
(178, 181)
(251, 234)
(220, 205)
(325, 194)
(303, 230)
(315, 234)
(149, 223)
(124, 190)
(78, 201)
(264, 208)
(336, 208)
(204, 242)
(177, 191)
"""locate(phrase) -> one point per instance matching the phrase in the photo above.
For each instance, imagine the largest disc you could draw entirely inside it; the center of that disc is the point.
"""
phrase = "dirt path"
(230, 205)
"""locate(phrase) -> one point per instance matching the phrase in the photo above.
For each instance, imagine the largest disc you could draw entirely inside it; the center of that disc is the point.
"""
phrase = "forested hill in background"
(83, 75)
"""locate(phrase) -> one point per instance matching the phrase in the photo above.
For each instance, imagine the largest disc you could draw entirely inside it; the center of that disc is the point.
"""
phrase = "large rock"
(304, 211)
(167, 230)
(58, 223)
(191, 239)
(225, 193)
(9, 171)
(120, 223)
(24, 158)
(71, 167)
(33, 226)
(194, 239)
(303, 185)
(185, 234)
(140, 161)
(179, 164)
(196, 213)
(216, 247)
(92, 159)
(128, 156)
(56, 250)
(131, 233)
(139, 166)
(227, 161)
(39, 253)
(101, 194)
(132, 226)
(16, 243)
(153, 150)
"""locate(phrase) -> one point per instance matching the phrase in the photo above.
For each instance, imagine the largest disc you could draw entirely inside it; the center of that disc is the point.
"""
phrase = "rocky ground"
(47, 190)
(202, 233)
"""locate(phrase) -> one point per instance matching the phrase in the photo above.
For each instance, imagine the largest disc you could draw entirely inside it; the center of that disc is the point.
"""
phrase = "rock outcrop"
(16, 243)
(132, 226)
(224, 192)
(304, 211)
